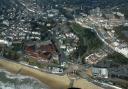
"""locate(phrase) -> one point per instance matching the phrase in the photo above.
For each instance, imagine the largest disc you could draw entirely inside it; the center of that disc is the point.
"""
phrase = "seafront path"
(52, 80)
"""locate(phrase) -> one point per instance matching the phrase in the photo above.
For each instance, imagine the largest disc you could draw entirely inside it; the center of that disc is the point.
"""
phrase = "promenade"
(52, 80)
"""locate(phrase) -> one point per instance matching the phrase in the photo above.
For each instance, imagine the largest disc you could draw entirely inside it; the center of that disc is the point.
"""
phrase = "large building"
(44, 51)
(100, 72)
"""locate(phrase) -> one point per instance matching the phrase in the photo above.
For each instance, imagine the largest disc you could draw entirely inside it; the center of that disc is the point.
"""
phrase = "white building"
(100, 72)
(57, 70)
(5, 42)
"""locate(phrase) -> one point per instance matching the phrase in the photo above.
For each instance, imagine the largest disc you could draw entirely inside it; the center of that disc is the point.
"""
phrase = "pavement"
(52, 80)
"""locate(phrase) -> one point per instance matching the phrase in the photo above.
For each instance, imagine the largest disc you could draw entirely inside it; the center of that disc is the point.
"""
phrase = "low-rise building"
(56, 70)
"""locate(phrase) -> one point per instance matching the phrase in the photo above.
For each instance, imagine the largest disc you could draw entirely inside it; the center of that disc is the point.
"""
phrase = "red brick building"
(41, 51)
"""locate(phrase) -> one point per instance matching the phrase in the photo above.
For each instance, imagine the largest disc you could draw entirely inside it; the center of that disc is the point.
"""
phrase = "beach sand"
(52, 80)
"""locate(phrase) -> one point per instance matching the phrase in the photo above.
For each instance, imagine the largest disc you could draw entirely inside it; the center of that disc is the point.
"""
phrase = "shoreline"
(52, 80)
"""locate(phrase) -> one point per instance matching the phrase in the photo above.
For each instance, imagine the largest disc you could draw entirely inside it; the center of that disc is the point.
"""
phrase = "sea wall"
(53, 81)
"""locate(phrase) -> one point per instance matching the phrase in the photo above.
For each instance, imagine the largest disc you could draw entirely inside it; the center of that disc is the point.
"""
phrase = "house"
(99, 72)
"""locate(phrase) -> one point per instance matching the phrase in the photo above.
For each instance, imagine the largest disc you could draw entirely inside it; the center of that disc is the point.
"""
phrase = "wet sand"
(52, 80)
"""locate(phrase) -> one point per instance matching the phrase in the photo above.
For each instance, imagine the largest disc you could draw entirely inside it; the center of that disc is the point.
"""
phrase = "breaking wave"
(17, 81)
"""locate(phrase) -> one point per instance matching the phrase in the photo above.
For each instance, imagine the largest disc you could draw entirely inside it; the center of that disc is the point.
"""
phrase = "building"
(44, 51)
(120, 72)
(4, 42)
(56, 70)
(99, 72)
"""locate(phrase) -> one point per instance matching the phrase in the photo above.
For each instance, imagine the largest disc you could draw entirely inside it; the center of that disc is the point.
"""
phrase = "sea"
(17, 81)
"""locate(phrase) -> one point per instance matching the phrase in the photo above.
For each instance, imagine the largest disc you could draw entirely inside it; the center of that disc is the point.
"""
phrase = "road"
(52, 80)
(103, 35)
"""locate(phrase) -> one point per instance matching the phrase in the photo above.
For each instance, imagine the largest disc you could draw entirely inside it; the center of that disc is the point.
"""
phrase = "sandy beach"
(52, 80)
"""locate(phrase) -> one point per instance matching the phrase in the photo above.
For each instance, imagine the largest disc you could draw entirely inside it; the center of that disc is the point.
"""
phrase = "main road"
(97, 27)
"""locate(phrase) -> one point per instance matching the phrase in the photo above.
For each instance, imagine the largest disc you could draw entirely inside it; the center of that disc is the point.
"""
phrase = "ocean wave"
(17, 81)
(22, 86)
